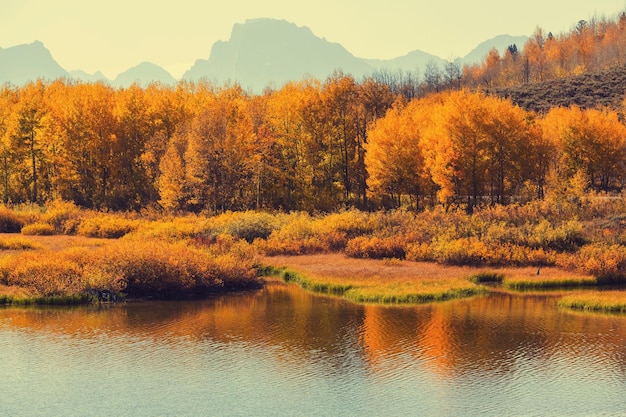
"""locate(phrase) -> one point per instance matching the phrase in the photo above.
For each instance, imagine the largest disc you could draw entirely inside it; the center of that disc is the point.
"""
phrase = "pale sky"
(112, 36)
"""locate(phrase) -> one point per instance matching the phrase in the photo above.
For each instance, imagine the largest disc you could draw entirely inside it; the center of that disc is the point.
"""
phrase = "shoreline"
(395, 282)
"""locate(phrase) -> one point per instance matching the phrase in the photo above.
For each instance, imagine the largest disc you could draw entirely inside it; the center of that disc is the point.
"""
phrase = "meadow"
(62, 253)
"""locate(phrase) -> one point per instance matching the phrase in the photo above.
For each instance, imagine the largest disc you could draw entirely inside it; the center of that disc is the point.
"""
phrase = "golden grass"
(597, 301)
(376, 281)
(549, 277)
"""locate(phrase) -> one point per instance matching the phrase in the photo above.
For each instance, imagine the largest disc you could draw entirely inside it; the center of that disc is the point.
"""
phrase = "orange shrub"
(9, 221)
(63, 216)
(147, 268)
(46, 275)
(375, 248)
(607, 262)
(38, 229)
(106, 226)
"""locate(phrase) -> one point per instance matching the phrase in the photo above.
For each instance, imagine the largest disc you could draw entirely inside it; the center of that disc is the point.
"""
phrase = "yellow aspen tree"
(394, 158)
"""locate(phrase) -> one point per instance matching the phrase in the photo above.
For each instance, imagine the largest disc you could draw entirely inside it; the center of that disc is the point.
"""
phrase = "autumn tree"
(475, 146)
(589, 141)
(8, 102)
(221, 155)
(394, 158)
(26, 128)
(83, 120)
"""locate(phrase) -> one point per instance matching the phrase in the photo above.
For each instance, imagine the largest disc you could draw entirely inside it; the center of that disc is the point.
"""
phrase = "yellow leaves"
(393, 158)
(590, 141)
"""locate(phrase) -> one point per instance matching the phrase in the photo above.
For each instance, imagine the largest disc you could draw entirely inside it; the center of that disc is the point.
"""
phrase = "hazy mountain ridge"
(260, 52)
(143, 74)
(23, 63)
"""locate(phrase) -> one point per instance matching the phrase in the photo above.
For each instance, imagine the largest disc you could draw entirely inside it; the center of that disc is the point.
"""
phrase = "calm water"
(284, 352)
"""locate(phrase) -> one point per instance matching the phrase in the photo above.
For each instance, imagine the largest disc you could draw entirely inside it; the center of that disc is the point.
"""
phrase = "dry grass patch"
(375, 281)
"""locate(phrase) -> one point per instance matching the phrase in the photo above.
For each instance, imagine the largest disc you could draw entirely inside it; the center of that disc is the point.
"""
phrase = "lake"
(281, 351)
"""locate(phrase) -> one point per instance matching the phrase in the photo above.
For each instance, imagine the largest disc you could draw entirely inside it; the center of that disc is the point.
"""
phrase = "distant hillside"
(501, 43)
(88, 78)
(261, 52)
(415, 60)
(143, 74)
(23, 63)
(590, 90)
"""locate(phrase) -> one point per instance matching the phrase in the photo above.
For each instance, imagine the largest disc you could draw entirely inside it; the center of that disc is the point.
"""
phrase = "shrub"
(470, 251)
(106, 226)
(375, 248)
(38, 229)
(46, 275)
(173, 229)
(17, 243)
(296, 236)
(64, 216)
(247, 225)
(152, 268)
(9, 221)
(606, 262)
(487, 277)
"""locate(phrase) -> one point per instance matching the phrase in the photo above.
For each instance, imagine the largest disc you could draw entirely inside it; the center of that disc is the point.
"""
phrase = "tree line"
(310, 145)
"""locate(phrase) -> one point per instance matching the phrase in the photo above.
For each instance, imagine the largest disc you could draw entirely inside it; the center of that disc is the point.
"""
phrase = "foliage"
(9, 221)
(63, 216)
(106, 226)
(375, 248)
(17, 243)
(40, 229)
(152, 268)
(607, 262)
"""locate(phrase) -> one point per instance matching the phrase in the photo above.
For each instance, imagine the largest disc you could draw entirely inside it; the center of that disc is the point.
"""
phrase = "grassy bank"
(377, 281)
(596, 301)
(548, 278)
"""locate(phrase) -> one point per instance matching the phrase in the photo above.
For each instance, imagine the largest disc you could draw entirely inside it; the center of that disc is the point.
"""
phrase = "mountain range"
(260, 52)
